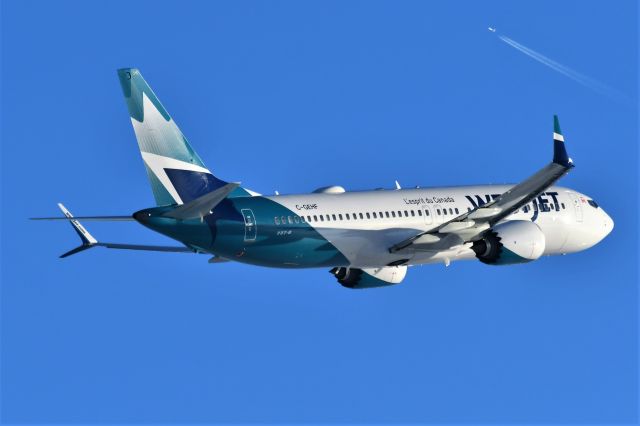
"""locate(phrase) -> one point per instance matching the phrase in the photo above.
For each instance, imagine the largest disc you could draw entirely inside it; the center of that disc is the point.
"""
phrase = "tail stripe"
(160, 166)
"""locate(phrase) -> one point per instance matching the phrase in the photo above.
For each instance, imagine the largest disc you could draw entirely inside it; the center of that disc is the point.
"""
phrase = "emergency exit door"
(250, 227)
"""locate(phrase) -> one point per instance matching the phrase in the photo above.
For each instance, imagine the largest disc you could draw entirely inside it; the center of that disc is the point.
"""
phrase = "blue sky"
(291, 96)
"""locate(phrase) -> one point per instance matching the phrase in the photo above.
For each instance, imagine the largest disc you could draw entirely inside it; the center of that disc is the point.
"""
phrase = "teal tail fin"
(176, 173)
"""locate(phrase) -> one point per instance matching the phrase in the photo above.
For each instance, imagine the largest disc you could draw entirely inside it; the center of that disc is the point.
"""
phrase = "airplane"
(365, 238)
(491, 29)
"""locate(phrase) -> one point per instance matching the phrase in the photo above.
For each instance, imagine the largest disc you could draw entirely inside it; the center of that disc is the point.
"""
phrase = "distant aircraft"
(367, 238)
(493, 30)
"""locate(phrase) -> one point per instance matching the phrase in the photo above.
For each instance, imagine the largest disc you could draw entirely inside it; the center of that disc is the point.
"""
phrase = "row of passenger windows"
(361, 216)
(386, 215)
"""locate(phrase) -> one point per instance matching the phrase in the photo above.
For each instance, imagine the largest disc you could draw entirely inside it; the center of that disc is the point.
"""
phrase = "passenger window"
(468, 209)
(296, 219)
(277, 220)
(450, 211)
(374, 215)
(334, 217)
(386, 214)
(457, 212)
(315, 218)
(381, 215)
(328, 218)
(426, 212)
(413, 213)
(368, 216)
(361, 216)
(419, 212)
(308, 218)
(340, 216)
(393, 214)
(355, 216)
(302, 219)
(347, 215)
(562, 206)
(438, 210)
(321, 218)
(399, 213)
(290, 220)
(283, 220)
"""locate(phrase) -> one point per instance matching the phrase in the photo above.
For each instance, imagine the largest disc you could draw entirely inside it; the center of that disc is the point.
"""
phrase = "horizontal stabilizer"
(89, 218)
(85, 236)
(77, 250)
(88, 241)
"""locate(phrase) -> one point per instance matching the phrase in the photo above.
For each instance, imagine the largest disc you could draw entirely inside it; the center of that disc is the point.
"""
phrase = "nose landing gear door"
(250, 227)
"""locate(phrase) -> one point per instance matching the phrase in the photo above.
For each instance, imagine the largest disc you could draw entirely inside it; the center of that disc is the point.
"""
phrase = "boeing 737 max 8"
(367, 238)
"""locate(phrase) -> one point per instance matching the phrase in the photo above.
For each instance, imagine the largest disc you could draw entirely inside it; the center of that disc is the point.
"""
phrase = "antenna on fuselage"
(398, 185)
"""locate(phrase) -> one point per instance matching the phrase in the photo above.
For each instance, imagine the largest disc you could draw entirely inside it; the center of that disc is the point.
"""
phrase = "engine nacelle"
(516, 241)
(369, 277)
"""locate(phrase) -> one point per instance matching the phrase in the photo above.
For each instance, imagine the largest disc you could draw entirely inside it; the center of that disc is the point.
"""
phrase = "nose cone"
(608, 224)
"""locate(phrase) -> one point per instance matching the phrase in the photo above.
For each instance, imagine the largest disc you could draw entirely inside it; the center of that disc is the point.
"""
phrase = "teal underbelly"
(302, 248)
(305, 253)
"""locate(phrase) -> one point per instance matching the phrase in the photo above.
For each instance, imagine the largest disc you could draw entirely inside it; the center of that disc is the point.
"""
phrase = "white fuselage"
(364, 225)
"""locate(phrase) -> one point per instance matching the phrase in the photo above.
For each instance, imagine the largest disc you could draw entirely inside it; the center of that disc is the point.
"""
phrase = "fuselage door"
(250, 227)
(577, 206)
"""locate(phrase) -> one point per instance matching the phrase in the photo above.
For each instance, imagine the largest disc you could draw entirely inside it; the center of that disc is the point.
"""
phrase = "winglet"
(87, 239)
(559, 150)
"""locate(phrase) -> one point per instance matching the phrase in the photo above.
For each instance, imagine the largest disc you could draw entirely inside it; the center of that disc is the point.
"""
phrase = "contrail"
(586, 81)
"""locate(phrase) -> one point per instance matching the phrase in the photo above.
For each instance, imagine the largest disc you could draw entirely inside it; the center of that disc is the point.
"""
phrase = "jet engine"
(369, 277)
(516, 241)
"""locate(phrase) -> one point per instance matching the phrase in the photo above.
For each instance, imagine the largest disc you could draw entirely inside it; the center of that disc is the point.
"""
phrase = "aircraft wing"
(472, 225)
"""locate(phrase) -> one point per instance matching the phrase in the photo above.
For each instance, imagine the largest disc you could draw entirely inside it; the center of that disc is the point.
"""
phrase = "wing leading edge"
(471, 225)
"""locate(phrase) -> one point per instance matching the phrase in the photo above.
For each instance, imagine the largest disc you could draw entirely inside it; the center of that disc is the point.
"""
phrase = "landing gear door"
(250, 227)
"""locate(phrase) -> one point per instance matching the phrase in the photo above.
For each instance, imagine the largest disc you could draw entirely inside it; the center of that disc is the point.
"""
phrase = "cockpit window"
(592, 204)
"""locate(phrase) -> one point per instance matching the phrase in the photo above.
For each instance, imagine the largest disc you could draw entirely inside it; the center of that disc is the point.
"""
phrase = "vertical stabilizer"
(176, 173)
